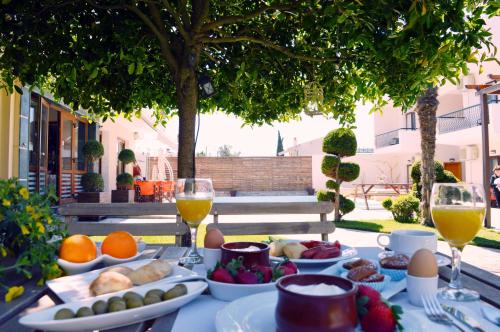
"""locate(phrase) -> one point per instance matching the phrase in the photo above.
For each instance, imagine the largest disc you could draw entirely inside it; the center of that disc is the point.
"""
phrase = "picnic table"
(389, 189)
(200, 314)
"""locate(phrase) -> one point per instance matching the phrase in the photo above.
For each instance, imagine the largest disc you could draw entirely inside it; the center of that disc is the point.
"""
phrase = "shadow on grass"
(484, 242)
(360, 225)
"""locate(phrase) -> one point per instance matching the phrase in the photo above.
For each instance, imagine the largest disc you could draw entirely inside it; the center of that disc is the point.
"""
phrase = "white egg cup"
(418, 286)
(211, 257)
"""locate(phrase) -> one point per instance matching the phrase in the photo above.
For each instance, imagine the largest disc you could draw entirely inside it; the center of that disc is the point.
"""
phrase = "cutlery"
(462, 317)
(435, 313)
(491, 314)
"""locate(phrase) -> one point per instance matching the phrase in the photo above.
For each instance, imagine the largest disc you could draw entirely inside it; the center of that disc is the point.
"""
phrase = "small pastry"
(362, 273)
(109, 282)
(294, 250)
(120, 269)
(156, 270)
(276, 248)
(396, 262)
(357, 263)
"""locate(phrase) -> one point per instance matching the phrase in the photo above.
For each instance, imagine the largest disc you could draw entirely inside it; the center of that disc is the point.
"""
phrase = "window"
(411, 121)
(81, 134)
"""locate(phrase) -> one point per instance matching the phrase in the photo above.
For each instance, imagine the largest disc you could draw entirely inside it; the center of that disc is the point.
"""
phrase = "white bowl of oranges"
(79, 253)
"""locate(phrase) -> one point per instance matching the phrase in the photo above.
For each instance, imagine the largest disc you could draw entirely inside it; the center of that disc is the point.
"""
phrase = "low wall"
(251, 173)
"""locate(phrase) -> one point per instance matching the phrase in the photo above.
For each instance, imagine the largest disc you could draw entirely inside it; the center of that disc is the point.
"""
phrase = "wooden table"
(487, 284)
(395, 189)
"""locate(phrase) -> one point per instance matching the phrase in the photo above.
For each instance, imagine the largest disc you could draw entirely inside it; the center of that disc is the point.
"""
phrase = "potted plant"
(124, 192)
(30, 235)
(92, 183)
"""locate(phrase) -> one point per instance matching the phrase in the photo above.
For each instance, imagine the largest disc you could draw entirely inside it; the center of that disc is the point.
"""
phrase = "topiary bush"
(92, 182)
(441, 176)
(337, 144)
(124, 180)
(93, 150)
(404, 208)
(126, 156)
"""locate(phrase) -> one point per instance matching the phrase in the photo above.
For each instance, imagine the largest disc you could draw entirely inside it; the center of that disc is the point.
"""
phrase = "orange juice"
(193, 210)
(458, 225)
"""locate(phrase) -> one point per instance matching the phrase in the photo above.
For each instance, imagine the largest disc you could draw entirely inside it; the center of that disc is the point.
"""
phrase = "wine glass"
(193, 199)
(458, 211)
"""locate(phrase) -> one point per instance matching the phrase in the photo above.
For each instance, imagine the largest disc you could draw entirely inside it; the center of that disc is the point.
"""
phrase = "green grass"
(486, 237)
(201, 236)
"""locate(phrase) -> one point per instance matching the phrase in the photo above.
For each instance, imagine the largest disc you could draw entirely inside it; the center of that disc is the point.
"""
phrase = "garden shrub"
(340, 142)
(404, 208)
(92, 182)
(441, 176)
(126, 156)
(124, 179)
(387, 203)
(93, 150)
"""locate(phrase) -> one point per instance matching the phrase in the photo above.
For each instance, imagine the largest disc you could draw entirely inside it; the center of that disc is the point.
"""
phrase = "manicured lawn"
(485, 238)
(201, 236)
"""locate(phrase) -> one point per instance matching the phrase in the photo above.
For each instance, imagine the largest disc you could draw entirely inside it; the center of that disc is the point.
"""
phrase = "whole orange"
(78, 248)
(119, 244)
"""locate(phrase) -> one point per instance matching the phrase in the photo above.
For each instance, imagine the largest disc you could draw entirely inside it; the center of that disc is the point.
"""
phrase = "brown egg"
(214, 239)
(423, 264)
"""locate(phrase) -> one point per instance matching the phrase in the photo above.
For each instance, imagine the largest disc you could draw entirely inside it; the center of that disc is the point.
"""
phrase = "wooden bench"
(322, 226)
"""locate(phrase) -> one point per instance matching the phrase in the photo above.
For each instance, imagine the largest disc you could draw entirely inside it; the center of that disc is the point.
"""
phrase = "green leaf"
(139, 68)
(94, 73)
(131, 68)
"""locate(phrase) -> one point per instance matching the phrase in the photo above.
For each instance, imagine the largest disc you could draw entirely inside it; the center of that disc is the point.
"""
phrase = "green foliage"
(227, 151)
(92, 182)
(279, 147)
(348, 171)
(340, 142)
(441, 176)
(27, 230)
(446, 177)
(126, 156)
(329, 165)
(346, 205)
(404, 208)
(93, 150)
(332, 185)
(387, 203)
(124, 179)
(325, 196)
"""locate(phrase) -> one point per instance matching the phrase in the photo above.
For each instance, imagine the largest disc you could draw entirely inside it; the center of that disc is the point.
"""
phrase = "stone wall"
(251, 173)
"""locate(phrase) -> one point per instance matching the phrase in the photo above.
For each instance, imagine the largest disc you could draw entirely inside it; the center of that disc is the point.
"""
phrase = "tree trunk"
(426, 109)
(337, 195)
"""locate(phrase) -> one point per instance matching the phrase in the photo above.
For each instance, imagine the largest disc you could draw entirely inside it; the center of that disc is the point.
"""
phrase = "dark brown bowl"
(250, 258)
(311, 313)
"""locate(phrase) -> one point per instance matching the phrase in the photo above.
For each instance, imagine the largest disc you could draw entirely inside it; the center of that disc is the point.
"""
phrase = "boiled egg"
(214, 239)
(423, 264)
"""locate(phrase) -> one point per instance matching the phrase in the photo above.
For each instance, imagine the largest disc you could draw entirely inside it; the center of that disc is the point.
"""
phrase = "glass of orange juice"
(458, 212)
(193, 199)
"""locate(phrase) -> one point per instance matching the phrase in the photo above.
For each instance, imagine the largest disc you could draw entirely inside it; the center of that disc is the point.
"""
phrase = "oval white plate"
(76, 287)
(255, 313)
(347, 252)
(44, 320)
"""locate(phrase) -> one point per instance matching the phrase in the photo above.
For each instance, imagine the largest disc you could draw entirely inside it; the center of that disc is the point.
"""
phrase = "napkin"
(199, 315)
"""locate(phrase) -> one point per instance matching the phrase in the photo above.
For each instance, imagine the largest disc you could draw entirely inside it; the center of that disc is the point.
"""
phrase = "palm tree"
(426, 109)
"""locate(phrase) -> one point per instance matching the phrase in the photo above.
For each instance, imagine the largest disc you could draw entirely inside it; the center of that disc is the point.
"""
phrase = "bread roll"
(150, 272)
(294, 250)
(109, 282)
(276, 248)
(120, 269)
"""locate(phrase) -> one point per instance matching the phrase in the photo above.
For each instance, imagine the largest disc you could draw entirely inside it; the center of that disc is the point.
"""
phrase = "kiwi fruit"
(64, 314)
(152, 299)
(84, 312)
(156, 292)
(117, 306)
(134, 303)
(100, 307)
(176, 291)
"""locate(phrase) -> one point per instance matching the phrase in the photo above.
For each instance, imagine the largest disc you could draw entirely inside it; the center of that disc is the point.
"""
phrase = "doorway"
(455, 168)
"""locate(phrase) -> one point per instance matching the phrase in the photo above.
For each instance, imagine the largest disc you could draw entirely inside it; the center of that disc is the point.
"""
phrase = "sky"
(218, 129)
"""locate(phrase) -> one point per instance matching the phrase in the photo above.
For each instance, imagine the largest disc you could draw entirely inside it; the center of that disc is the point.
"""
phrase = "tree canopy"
(264, 57)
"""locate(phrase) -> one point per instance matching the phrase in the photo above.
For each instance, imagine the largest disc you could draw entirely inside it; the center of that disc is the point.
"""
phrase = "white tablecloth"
(200, 314)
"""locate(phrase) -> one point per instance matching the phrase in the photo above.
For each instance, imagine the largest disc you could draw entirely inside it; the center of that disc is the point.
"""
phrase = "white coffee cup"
(407, 241)
(211, 257)
(418, 286)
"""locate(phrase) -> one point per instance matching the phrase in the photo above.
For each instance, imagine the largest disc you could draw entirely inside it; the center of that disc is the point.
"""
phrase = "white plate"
(76, 287)
(347, 252)
(230, 292)
(391, 289)
(441, 260)
(255, 313)
(75, 268)
(44, 320)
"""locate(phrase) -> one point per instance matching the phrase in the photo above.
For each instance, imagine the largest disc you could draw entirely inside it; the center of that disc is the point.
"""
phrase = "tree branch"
(175, 15)
(164, 44)
(233, 19)
(199, 14)
(268, 44)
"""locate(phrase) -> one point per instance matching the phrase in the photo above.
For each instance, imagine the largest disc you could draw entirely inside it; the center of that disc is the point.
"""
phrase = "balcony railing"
(390, 138)
(462, 119)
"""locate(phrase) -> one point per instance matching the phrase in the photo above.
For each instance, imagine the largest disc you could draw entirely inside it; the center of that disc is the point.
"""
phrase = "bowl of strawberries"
(234, 280)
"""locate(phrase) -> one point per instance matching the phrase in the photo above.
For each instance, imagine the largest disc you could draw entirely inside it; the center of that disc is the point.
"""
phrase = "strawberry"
(220, 274)
(379, 318)
(264, 273)
(311, 244)
(367, 296)
(337, 244)
(289, 265)
(246, 277)
(326, 253)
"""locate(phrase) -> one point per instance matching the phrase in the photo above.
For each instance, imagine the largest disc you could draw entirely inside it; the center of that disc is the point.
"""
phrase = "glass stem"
(194, 247)
(455, 280)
